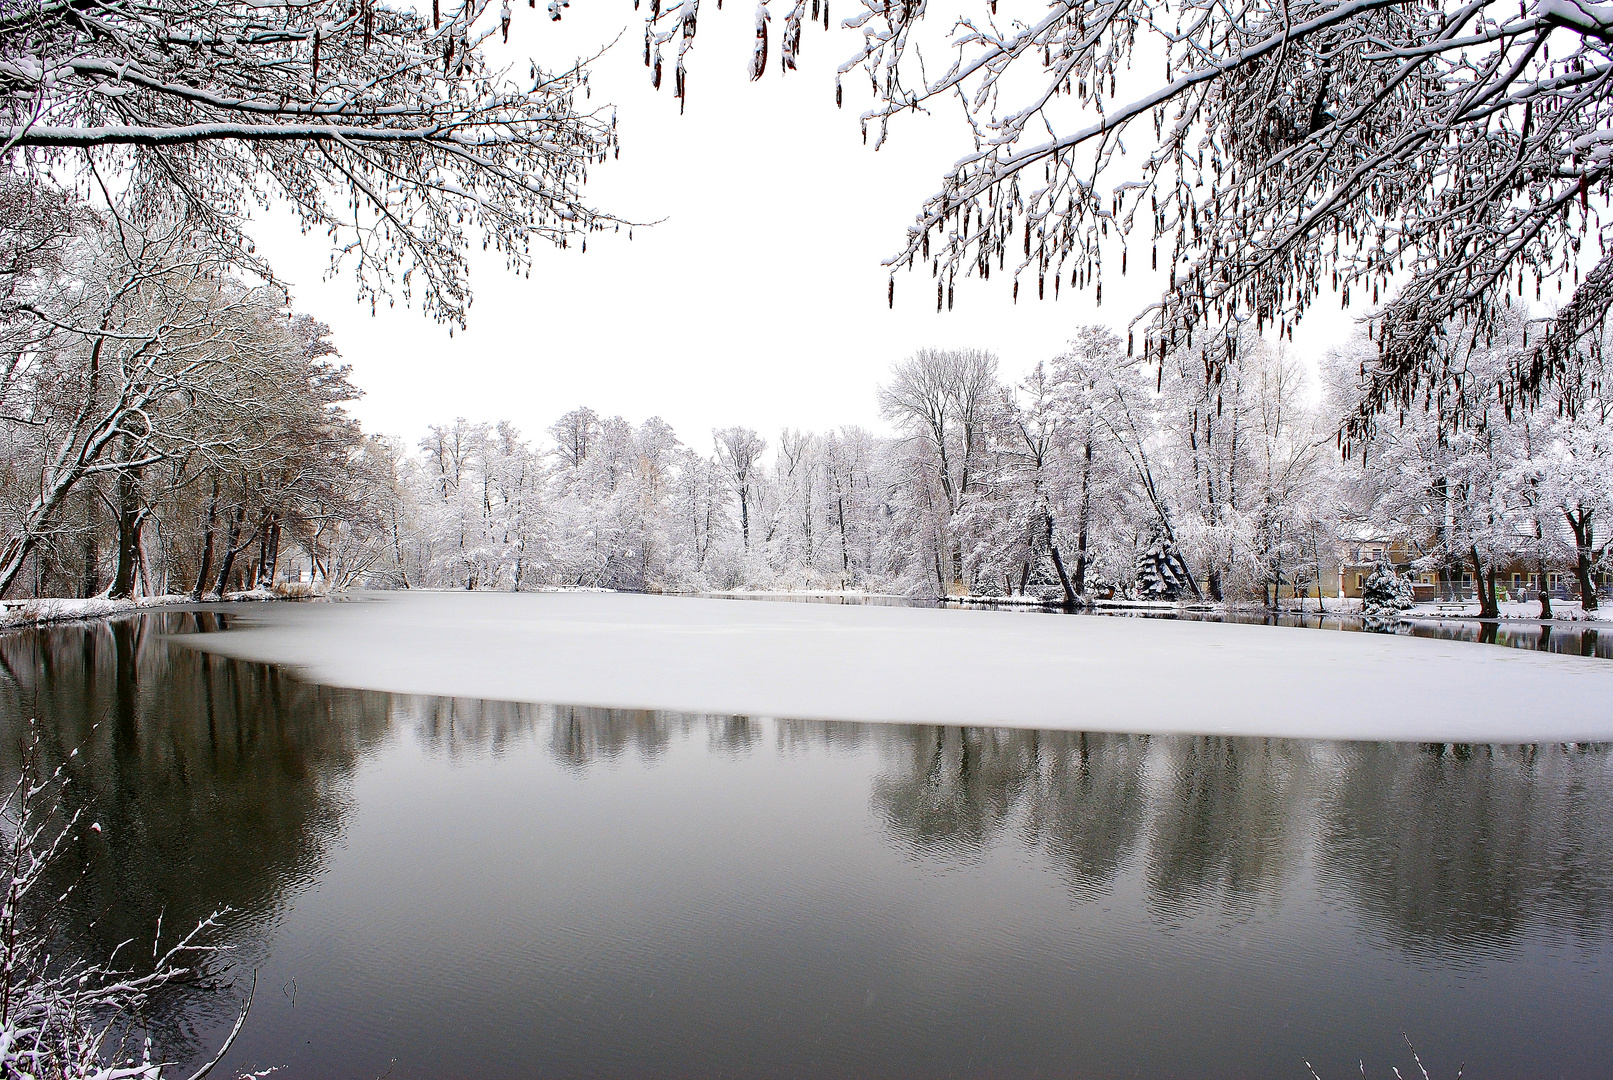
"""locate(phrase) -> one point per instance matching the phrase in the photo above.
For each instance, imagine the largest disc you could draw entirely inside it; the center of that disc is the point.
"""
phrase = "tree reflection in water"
(1446, 847)
(951, 792)
(1227, 822)
(1460, 847)
(218, 785)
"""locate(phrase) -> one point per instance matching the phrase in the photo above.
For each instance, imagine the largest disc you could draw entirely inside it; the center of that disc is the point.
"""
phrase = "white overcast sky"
(759, 298)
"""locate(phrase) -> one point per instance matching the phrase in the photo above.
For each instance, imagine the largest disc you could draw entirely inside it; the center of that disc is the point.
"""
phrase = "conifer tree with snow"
(1162, 574)
(1385, 593)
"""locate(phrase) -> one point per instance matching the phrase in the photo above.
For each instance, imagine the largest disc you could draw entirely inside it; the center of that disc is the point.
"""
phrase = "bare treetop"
(382, 126)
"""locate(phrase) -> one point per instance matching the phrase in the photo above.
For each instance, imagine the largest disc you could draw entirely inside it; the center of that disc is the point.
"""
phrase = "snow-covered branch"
(379, 124)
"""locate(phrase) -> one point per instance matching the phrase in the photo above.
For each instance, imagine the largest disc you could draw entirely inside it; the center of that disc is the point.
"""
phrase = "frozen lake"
(917, 665)
(434, 886)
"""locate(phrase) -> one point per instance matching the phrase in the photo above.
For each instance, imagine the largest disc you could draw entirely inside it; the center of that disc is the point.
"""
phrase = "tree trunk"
(397, 551)
(91, 583)
(274, 549)
(128, 502)
(1484, 583)
(1072, 599)
(231, 549)
(1080, 578)
(206, 566)
(146, 583)
(845, 552)
(1277, 585)
(1583, 525)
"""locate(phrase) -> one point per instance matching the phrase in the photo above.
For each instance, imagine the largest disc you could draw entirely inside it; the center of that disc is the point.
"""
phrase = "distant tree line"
(170, 429)
(1100, 472)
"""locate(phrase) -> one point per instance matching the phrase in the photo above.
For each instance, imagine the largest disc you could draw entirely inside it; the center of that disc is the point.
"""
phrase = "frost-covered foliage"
(1096, 474)
(613, 505)
(64, 1018)
(1100, 473)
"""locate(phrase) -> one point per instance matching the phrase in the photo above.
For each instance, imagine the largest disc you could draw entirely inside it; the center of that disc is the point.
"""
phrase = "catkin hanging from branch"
(758, 62)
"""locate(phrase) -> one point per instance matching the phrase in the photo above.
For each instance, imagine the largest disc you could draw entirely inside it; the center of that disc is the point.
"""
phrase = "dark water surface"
(433, 887)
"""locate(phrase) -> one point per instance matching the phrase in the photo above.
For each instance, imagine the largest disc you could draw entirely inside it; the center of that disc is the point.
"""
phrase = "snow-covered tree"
(739, 451)
(1385, 593)
(150, 396)
(1575, 473)
(1092, 492)
(1450, 474)
(380, 124)
(942, 402)
(697, 522)
(1162, 573)
(1429, 156)
(856, 500)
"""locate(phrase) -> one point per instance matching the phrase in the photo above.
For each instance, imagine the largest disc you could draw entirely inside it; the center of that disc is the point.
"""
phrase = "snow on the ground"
(927, 665)
(54, 609)
(1511, 610)
(15, 613)
(1142, 605)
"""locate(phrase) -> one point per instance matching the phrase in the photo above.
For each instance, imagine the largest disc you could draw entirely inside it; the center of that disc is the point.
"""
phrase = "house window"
(1358, 579)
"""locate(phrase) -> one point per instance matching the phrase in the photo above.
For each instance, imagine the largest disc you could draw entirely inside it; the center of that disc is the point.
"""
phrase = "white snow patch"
(1506, 610)
(55, 609)
(15, 613)
(835, 662)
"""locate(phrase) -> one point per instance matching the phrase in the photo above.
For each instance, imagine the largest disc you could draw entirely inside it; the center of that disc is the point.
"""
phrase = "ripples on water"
(451, 887)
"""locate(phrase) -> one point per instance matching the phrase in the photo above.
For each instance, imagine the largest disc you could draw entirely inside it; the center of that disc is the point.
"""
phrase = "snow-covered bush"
(1385, 593)
(61, 1018)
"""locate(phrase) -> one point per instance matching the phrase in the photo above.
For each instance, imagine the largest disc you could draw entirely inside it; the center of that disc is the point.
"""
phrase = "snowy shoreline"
(20, 614)
(1564, 612)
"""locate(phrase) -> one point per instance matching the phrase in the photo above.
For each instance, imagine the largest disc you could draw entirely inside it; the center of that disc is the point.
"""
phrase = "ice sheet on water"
(834, 662)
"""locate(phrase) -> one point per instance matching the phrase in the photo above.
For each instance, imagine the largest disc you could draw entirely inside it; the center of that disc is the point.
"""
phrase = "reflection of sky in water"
(487, 889)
